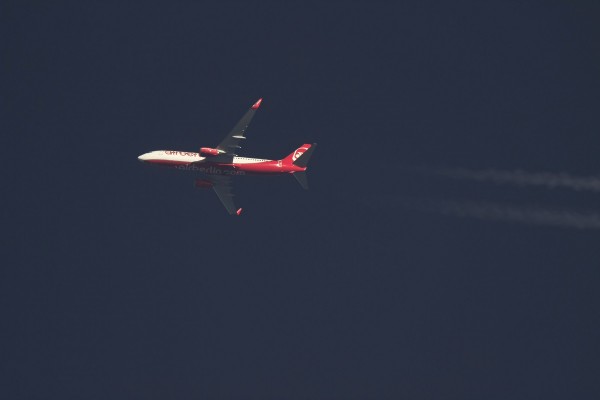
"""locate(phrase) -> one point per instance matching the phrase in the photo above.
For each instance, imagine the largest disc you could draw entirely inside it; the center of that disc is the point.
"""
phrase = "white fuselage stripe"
(184, 156)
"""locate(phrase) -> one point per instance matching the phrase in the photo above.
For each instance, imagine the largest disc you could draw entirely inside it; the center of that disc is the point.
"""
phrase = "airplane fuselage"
(190, 161)
(221, 163)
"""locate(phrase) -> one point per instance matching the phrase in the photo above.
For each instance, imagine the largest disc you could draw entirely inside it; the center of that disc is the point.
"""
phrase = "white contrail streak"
(519, 177)
(502, 212)
(527, 215)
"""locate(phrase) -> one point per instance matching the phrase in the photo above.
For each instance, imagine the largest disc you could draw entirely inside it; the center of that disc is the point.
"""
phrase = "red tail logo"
(296, 154)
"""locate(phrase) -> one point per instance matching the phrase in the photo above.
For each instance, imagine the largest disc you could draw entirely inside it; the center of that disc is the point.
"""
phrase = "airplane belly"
(260, 168)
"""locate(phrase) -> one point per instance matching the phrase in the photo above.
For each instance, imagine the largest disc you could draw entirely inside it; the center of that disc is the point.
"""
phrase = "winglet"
(239, 211)
(257, 104)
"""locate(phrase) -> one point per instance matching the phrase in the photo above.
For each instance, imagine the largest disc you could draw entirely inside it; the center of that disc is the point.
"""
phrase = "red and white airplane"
(221, 164)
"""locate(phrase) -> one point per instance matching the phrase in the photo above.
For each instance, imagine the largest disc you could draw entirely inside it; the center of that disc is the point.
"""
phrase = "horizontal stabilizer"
(301, 178)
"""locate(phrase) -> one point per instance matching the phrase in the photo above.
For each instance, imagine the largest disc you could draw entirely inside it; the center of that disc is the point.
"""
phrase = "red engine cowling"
(203, 183)
(207, 151)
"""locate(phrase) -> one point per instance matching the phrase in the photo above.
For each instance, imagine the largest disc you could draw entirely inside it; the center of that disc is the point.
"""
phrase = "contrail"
(501, 212)
(519, 177)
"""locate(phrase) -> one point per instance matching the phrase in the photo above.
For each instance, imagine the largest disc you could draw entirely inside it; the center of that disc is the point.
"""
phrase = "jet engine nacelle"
(207, 151)
(203, 183)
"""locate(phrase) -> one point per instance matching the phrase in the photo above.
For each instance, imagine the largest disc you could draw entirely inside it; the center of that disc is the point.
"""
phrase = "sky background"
(386, 280)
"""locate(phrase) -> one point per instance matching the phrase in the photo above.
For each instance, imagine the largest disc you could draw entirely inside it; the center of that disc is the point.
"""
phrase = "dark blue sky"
(123, 281)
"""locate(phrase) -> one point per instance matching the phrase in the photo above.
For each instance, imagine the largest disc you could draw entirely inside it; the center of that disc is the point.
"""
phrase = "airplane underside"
(221, 164)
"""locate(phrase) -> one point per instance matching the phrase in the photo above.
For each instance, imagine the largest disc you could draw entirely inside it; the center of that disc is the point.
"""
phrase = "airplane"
(221, 163)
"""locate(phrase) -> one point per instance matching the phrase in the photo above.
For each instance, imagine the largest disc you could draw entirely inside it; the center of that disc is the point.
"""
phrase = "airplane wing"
(222, 185)
(232, 141)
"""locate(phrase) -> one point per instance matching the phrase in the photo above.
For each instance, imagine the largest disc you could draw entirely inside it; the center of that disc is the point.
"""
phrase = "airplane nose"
(143, 157)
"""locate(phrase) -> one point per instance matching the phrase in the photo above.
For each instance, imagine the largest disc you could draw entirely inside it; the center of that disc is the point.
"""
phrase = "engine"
(203, 183)
(207, 151)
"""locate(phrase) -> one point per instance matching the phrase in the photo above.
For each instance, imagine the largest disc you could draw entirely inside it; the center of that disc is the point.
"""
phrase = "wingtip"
(257, 104)
(239, 211)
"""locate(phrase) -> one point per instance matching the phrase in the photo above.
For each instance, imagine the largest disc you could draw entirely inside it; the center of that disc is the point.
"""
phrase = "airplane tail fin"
(300, 158)
(301, 155)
